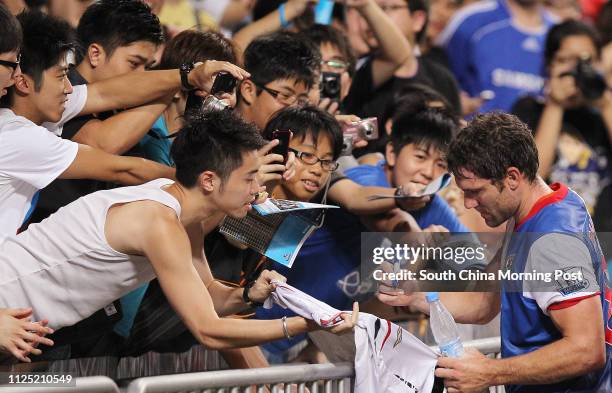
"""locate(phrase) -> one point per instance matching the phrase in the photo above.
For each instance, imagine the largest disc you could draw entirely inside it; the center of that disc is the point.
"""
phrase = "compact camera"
(347, 145)
(331, 86)
(363, 129)
(204, 104)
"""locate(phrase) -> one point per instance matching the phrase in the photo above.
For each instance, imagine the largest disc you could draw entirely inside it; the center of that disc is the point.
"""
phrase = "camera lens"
(212, 103)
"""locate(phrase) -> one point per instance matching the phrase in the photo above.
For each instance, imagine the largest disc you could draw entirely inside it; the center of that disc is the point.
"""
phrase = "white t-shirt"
(31, 158)
(387, 359)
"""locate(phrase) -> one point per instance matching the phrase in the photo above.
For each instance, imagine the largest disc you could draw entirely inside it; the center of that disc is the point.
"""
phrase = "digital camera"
(331, 86)
(589, 81)
(363, 129)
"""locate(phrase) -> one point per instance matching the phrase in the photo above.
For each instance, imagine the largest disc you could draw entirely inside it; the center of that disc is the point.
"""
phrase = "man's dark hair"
(492, 143)
(212, 141)
(306, 121)
(282, 55)
(429, 127)
(420, 5)
(325, 34)
(10, 31)
(116, 23)
(556, 35)
(191, 46)
(46, 41)
(412, 98)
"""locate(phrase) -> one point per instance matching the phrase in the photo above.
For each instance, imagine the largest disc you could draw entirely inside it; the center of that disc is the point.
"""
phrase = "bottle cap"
(432, 297)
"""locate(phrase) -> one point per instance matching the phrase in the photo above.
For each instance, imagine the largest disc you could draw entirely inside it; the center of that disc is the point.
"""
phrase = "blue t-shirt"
(327, 266)
(154, 146)
(488, 51)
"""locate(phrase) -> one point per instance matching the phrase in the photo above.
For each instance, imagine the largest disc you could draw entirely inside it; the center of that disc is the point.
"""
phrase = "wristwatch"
(246, 298)
(185, 69)
(399, 192)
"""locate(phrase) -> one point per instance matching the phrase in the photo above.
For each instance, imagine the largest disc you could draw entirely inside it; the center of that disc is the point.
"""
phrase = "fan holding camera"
(573, 123)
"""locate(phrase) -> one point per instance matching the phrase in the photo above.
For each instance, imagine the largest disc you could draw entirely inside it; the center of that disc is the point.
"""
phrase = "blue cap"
(432, 296)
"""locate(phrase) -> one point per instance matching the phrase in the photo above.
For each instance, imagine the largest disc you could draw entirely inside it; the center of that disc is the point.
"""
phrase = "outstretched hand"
(20, 336)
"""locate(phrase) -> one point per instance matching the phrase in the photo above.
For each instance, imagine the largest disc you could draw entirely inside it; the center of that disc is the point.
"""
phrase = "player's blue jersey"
(488, 51)
(557, 234)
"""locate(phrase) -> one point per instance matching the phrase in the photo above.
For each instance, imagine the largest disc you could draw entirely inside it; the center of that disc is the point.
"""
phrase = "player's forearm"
(465, 307)
(558, 361)
(547, 135)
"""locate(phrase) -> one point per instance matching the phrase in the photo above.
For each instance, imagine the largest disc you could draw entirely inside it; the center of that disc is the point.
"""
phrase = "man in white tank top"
(105, 244)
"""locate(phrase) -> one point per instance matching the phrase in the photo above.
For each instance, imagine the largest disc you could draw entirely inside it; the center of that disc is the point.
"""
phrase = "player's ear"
(513, 178)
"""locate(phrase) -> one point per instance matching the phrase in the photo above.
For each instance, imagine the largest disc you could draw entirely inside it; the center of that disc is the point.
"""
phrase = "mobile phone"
(194, 102)
(224, 83)
(282, 148)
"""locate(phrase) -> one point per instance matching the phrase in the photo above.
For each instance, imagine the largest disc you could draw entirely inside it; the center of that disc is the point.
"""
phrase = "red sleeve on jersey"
(570, 302)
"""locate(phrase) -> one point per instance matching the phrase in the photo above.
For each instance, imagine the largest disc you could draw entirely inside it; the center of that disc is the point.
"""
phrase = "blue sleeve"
(156, 150)
(438, 212)
(367, 175)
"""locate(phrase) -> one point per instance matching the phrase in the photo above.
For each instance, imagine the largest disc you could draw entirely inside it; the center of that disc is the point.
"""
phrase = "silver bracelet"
(285, 328)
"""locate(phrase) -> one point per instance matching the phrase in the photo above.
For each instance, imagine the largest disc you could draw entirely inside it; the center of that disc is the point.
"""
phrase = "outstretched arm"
(167, 246)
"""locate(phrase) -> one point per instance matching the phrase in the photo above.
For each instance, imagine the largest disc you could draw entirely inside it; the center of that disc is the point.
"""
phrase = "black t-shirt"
(584, 154)
(365, 101)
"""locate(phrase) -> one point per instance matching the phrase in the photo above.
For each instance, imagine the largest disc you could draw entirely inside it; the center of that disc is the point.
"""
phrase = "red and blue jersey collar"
(558, 194)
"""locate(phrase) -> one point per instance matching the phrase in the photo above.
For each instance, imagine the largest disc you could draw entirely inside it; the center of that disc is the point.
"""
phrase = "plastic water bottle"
(443, 327)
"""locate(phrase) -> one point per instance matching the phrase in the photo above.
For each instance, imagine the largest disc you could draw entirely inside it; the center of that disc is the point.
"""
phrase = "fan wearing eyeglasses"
(316, 143)
(283, 68)
(9, 49)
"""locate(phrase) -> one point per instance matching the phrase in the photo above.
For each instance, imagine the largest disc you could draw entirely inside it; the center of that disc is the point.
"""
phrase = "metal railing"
(328, 378)
(315, 378)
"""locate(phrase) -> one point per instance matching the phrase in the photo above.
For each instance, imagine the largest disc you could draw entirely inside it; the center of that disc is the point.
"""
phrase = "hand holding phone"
(282, 148)
(224, 83)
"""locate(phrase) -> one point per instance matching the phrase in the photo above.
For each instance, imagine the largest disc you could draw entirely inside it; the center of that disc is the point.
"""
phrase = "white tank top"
(64, 267)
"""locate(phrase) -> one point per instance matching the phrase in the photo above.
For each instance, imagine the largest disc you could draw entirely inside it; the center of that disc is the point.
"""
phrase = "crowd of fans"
(99, 95)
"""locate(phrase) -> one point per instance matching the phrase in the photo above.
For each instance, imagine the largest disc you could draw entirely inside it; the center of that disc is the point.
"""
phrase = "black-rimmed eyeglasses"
(311, 159)
(11, 64)
(282, 97)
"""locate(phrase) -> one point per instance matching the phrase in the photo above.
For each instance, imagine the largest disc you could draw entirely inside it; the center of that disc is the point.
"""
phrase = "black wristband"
(246, 298)
(399, 192)
(185, 69)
